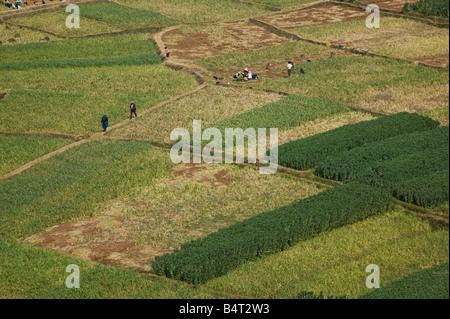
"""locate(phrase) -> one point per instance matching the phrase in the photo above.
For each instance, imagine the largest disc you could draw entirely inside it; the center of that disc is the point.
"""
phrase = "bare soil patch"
(324, 14)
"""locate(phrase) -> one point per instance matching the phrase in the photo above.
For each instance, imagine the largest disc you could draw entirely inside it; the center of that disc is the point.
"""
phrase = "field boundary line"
(292, 36)
(42, 158)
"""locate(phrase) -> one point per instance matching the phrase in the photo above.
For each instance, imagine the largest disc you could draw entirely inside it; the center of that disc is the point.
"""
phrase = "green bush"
(150, 58)
(270, 232)
(430, 283)
(308, 152)
(428, 7)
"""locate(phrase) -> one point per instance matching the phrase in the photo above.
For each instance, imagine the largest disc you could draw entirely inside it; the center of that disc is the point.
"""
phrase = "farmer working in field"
(290, 66)
(105, 123)
(132, 109)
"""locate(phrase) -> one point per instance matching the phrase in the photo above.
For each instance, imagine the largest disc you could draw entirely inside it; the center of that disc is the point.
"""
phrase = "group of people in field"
(18, 4)
(245, 75)
(105, 121)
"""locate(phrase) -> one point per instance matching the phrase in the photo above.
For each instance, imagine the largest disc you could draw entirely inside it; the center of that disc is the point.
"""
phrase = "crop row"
(144, 59)
(270, 232)
(346, 166)
(309, 152)
(429, 190)
(290, 111)
(428, 7)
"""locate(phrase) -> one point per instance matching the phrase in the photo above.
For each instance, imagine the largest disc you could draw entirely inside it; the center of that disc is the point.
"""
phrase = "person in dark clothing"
(105, 123)
(132, 109)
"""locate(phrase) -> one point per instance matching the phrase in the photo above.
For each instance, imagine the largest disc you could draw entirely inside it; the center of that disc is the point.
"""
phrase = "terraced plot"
(92, 47)
(325, 14)
(375, 84)
(10, 35)
(396, 37)
(55, 22)
(188, 11)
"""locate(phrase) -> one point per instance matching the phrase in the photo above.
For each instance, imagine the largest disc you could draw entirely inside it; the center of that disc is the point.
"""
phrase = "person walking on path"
(132, 109)
(290, 66)
(167, 52)
(105, 123)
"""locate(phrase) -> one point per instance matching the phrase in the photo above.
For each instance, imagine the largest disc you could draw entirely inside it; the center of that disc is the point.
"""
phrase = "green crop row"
(387, 174)
(429, 190)
(346, 166)
(290, 111)
(120, 15)
(308, 152)
(270, 232)
(150, 58)
(428, 7)
(92, 47)
(430, 283)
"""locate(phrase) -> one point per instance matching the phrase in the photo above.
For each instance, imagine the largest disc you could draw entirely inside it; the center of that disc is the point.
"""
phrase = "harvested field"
(324, 14)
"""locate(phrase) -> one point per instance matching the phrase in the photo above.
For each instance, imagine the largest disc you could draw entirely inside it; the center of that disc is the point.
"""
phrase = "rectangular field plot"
(123, 16)
(208, 105)
(56, 22)
(334, 263)
(199, 10)
(105, 46)
(76, 183)
(21, 280)
(11, 35)
(72, 100)
(375, 84)
(194, 202)
(396, 37)
(16, 151)
(324, 14)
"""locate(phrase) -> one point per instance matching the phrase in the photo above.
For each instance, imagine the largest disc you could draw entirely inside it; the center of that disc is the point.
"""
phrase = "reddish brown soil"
(324, 14)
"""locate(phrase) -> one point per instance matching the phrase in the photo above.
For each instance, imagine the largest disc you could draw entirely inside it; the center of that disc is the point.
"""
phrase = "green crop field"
(79, 96)
(81, 180)
(360, 175)
(56, 22)
(198, 10)
(16, 151)
(107, 46)
(11, 35)
(123, 16)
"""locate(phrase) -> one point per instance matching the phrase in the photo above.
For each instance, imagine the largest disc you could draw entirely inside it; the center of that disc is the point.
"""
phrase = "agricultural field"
(361, 163)
(19, 150)
(401, 38)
